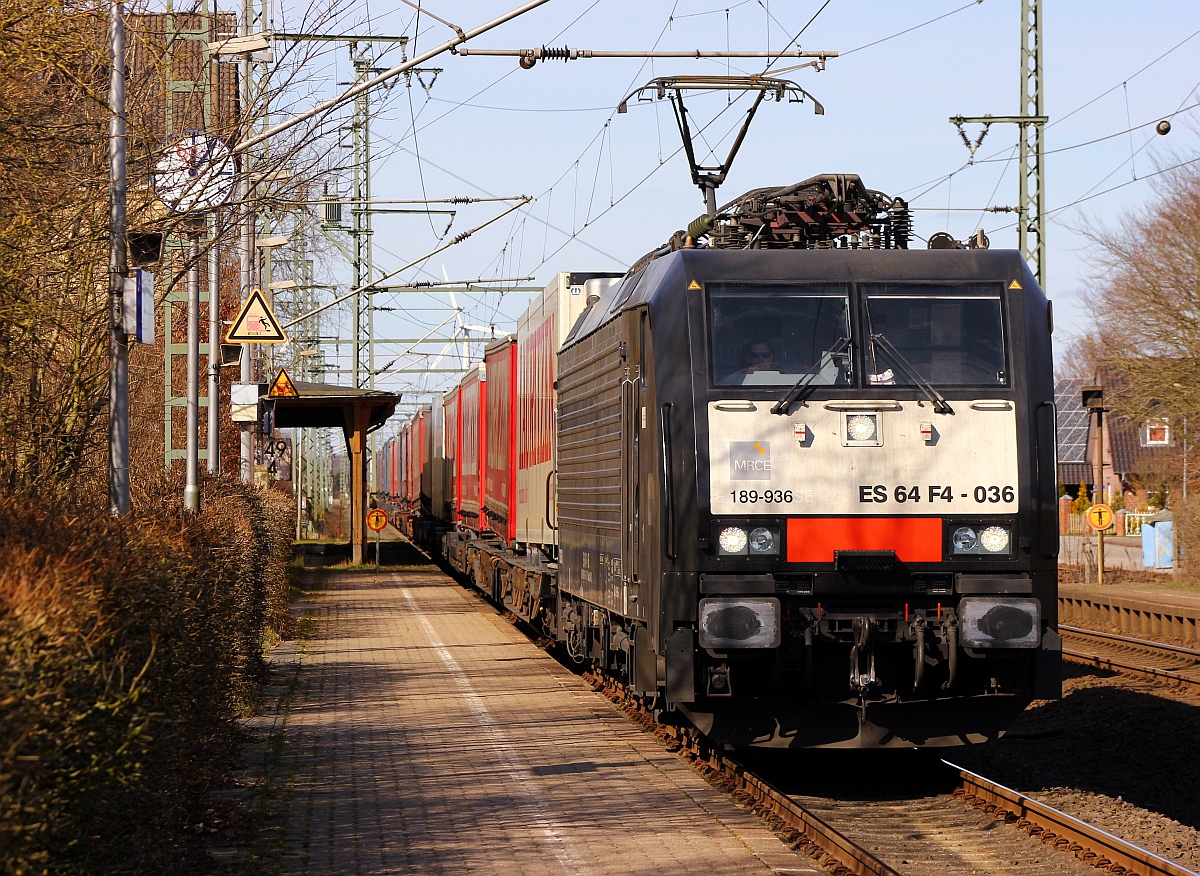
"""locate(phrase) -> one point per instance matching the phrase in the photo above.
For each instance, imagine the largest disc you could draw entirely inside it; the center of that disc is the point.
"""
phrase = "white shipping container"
(541, 331)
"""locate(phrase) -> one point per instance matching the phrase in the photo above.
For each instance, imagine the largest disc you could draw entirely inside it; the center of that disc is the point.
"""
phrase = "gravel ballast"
(1116, 752)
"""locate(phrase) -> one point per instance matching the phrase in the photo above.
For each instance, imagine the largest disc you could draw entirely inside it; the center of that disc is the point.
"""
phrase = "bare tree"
(54, 66)
(1145, 304)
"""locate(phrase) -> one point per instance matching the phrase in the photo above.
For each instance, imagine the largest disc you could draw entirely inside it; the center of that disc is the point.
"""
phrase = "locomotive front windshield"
(946, 336)
(771, 335)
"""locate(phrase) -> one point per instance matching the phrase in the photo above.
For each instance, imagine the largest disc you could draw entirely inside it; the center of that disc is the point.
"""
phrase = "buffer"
(256, 323)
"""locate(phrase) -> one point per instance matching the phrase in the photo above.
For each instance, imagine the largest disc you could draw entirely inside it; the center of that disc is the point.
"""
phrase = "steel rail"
(1130, 640)
(849, 855)
(1066, 833)
(1118, 664)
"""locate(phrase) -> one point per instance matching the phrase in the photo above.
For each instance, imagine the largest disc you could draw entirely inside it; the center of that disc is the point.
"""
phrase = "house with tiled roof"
(1137, 454)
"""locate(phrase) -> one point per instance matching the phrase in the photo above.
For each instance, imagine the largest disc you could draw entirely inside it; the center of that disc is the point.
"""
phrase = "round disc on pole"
(195, 172)
(1099, 517)
(376, 520)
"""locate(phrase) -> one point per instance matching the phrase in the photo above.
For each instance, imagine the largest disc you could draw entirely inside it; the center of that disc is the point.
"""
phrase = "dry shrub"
(1186, 532)
(128, 649)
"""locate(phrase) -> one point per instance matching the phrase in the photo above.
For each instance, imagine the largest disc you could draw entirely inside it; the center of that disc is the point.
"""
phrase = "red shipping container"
(473, 451)
(451, 455)
(500, 470)
(418, 460)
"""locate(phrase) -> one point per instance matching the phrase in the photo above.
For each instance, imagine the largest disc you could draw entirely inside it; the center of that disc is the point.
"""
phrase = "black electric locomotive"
(806, 478)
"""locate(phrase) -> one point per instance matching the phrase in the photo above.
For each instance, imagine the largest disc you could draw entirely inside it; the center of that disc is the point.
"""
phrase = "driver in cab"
(757, 355)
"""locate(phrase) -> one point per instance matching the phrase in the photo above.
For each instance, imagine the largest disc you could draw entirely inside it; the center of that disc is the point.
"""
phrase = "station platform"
(426, 735)
(1153, 611)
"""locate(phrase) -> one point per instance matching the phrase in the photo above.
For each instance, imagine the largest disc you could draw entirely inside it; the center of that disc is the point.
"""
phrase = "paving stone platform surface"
(426, 735)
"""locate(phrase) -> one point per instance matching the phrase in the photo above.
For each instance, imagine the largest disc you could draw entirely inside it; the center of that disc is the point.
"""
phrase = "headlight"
(862, 427)
(732, 540)
(994, 539)
(763, 541)
(979, 540)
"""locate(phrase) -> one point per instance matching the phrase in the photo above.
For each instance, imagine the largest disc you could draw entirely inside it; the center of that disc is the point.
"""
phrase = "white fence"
(1077, 524)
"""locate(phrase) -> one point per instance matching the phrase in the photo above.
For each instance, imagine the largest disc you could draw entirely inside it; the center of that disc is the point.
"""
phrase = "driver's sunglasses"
(753, 355)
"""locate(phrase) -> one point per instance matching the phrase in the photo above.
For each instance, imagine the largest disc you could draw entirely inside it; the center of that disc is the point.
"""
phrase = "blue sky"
(610, 187)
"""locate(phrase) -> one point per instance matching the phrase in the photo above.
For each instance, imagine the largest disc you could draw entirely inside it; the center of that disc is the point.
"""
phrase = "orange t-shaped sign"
(1099, 517)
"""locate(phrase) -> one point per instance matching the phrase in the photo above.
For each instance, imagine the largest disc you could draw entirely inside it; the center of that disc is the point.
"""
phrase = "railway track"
(973, 828)
(1132, 656)
(976, 827)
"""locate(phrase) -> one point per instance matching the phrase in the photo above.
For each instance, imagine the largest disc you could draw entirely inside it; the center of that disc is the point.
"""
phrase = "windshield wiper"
(935, 398)
(784, 404)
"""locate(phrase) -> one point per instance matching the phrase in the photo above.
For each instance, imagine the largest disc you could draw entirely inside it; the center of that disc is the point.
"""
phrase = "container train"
(786, 478)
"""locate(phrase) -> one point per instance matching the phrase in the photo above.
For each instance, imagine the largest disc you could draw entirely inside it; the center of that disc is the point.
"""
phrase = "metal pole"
(1031, 232)
(297, 472)
(363, 273)
(1099, 492)
(191, 492)
(214, 356)
(245, 375)
(118, 347)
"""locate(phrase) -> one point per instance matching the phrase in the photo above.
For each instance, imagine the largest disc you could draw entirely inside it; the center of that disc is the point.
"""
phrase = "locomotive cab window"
(771, 335)
(946, 336)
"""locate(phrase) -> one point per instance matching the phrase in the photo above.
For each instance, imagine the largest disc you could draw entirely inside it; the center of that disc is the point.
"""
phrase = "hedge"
(128, 650)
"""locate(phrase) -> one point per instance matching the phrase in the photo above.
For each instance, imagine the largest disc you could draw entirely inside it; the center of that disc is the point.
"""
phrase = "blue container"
(1158, 542)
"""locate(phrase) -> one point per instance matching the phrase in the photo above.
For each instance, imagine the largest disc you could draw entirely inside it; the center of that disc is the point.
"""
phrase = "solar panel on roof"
(1072, 421)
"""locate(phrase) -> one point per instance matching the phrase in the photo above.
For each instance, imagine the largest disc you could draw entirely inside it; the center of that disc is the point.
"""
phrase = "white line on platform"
(559, 845)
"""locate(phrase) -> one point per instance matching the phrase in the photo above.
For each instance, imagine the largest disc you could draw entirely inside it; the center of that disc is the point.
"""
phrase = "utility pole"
(214, 355)
(360, 214)
(1100, 497)
(1092, 400)
(118, 349)
(191, 490)
(254, 73)
(1031, 219)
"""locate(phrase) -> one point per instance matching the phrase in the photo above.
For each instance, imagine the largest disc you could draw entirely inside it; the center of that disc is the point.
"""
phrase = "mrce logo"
(749, 460)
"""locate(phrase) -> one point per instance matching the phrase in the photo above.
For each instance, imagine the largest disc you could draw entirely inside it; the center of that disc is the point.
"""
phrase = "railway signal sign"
(283, 386)
(376, 520)
(256, 323)
(1099, 517)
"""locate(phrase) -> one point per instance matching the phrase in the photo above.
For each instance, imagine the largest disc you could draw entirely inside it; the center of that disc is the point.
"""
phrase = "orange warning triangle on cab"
(1015, 285)
(283, 386)
(256, 323)
(693, 285)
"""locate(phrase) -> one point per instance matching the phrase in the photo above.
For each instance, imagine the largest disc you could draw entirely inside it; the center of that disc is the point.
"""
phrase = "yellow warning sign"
(256, 323)
(283, 386)
(376, 520)
(1099, 517)
(693, 285)
(1015, 285)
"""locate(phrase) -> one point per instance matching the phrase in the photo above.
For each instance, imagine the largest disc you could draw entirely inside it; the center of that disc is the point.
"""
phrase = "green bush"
(1083, 500)
(128, 650)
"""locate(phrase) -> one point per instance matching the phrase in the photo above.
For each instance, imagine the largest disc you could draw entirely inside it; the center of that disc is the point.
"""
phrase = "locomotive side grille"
(589, 433)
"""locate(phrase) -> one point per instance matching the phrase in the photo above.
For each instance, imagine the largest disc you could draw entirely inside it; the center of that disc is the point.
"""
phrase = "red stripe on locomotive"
(814, 539)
